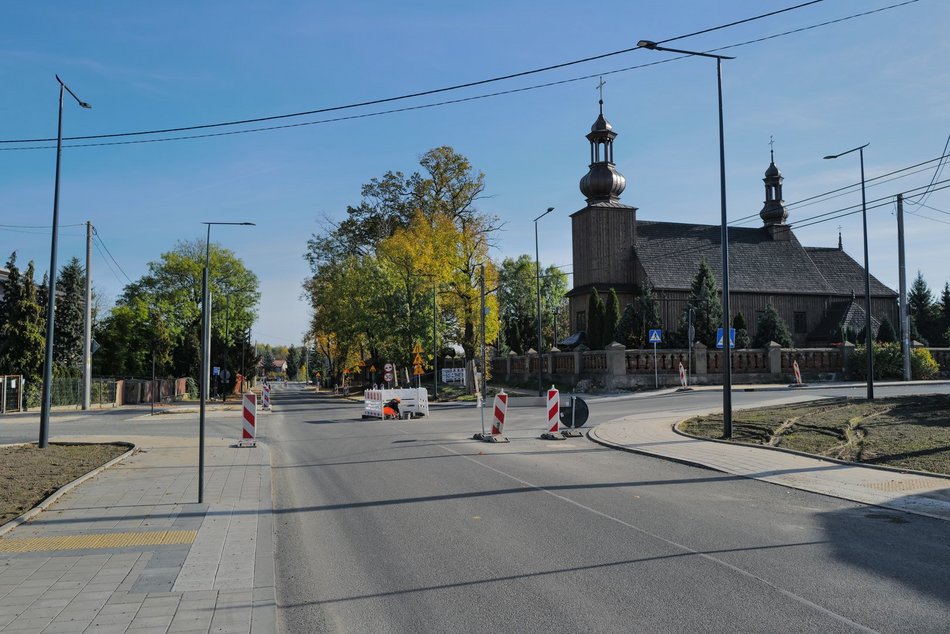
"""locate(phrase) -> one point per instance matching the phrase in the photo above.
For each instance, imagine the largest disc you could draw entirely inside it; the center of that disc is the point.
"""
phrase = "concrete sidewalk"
(132, 550)
(653, 435)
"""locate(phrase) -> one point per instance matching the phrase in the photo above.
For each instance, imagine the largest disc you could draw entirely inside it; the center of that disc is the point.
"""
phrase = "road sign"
(215, 371)
(732, 338)
(417, 371)
(388, 376)
(656, 336)
(575, 414)
(417, 360)
(417, 348)
(372, 368)
(388, 367)
(93, 346)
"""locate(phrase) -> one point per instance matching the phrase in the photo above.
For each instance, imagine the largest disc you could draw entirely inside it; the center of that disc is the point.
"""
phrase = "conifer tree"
(611, 316)
(771, 327)
(595, 321)
(885, 333)
(21, 328)
(707, 309)
(923, 313)
(637, 318)
(742, 331)
(70, 315)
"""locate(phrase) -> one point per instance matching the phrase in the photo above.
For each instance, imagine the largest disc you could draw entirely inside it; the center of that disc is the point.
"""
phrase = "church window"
(800, 319)
(582, 320)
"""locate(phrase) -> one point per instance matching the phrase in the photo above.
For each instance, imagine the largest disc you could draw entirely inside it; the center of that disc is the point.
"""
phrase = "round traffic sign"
(388, 376)
(388, 367)
(576, 414)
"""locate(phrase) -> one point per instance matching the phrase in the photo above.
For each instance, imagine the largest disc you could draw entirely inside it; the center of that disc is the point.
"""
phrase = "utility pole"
(902, 276)
(87, 330)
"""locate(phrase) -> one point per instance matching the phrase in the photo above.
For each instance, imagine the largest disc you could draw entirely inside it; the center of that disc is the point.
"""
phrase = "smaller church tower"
(773, 212)
(603, 233)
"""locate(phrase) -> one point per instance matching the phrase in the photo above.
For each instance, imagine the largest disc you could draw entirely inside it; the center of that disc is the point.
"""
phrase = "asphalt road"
(411, 526)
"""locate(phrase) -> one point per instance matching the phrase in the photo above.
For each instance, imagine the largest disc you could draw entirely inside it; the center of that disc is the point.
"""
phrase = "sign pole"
(656, 375)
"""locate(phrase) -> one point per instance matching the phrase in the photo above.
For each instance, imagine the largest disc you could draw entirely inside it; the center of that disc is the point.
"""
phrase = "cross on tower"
(772, 148)
(600, 87)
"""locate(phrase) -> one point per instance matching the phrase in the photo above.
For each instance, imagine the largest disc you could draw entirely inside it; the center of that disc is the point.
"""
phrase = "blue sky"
(880, 79)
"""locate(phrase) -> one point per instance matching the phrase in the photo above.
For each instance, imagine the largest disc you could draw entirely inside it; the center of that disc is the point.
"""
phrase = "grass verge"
(28, 474)
(908, 432)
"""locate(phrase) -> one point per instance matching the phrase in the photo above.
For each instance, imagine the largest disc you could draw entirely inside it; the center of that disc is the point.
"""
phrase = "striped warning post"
(265, 397)
(248, 435)
(798, 375)
(501, 409)
(554, 415)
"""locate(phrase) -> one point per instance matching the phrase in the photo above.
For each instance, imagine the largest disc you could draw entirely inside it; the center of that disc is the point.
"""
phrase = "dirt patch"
(28, 474)
(909, 432)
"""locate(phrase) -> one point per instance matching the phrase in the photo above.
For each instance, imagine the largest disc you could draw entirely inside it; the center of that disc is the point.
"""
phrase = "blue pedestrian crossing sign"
(732, 338)
(656, 336)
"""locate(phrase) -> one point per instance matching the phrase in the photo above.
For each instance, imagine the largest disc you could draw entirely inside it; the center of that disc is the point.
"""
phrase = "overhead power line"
(413, 95)
(118, 266)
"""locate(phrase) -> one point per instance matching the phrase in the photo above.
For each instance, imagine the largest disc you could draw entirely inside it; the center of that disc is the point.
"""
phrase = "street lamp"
(51, 299)
(726, 348)
(206, 354)
(537, 263)
(867, 273)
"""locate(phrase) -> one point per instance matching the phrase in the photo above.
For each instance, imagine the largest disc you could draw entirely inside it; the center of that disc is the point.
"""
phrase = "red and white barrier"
(553, 410)
(414, 400)
(501, 410)
(683, 381)
(798, 373)
(249, 431)
(265, 397)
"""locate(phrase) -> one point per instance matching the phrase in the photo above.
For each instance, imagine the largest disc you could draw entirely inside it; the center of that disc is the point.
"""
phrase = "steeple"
(602, 183)
(773, 212)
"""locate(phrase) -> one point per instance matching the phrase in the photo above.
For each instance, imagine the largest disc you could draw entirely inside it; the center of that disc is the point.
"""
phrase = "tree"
(414, 233)
(771, 327)
(923, 312)
(596, 312)
(707, 309)
(638, 318)
(294, 362)
(885, 333)
(944, 313)
(22, 342)
(70, 315)
(517, 301)
(742, 331)
(172, 289)
(611, 316)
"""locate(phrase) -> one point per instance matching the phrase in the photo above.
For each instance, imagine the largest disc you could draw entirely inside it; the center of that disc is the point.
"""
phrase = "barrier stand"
(500, 410)
(684, 381)
(265, 397)
(248, 433)
(798, 376)
(554, 419)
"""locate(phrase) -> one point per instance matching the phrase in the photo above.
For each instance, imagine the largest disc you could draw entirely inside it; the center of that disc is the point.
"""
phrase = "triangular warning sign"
(417, 371)
(372, 368)
(417, 348)
(417, 360)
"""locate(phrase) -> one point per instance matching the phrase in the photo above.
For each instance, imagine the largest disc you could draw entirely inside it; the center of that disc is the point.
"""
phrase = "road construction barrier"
(683, 382)
(413, 401)
(249, 431)
(500, 411)
(798, 373)
(265, 397)
(553, 410)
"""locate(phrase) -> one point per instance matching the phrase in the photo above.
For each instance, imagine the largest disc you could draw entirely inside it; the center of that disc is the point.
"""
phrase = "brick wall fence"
(617, 367)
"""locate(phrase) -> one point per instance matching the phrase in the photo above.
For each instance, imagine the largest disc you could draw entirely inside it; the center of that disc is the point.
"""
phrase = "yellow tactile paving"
(102, 540)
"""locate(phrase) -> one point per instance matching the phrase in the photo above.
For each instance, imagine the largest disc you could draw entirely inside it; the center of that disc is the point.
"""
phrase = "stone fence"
(617, 367)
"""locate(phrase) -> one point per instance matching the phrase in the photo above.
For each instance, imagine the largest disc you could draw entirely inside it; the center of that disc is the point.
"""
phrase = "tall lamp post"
(537, 264)
(727, 347)
(867, 273)
(206, 354)
(51, 299)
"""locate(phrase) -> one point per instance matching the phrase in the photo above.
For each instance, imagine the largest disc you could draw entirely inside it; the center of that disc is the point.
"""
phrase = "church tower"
(773, 212)
(603, 233)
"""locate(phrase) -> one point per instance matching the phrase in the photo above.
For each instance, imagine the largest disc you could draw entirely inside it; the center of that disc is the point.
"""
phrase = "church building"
(814, 289)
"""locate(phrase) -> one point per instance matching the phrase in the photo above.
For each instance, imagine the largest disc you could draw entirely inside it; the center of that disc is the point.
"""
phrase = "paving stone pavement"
(137, 553)
(653, 434)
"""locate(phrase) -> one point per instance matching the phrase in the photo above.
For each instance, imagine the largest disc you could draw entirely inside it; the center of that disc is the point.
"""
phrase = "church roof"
(670, 253)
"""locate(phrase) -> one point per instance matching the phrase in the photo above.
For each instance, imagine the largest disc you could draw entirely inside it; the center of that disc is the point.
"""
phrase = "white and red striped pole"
(798, 373)
(554, 410)
(265, 397)
(554, 415)
(501, 410)
(248, 434)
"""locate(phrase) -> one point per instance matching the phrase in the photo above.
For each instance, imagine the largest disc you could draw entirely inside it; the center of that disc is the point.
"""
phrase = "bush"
(889, 363)
(191, 386)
